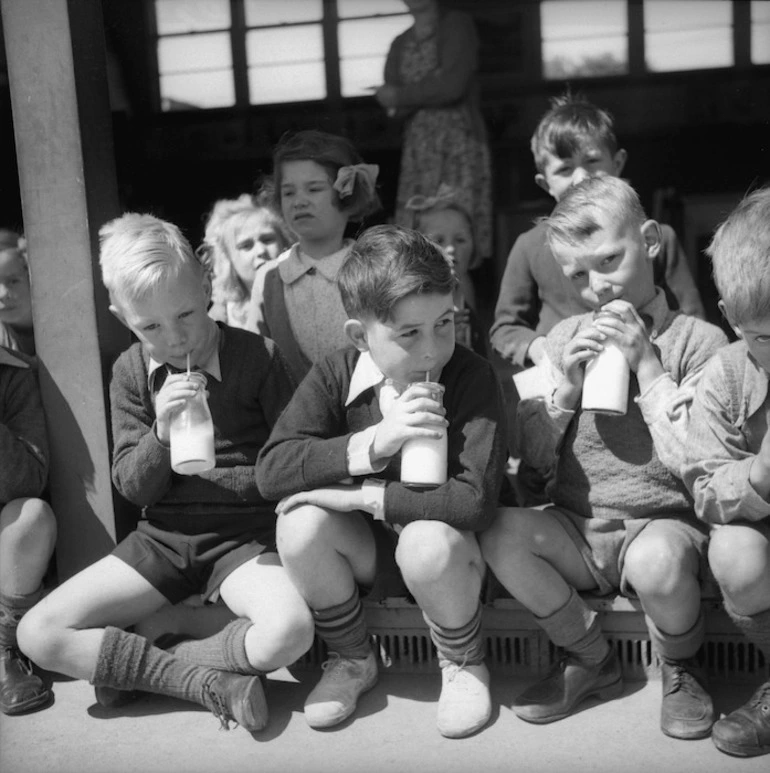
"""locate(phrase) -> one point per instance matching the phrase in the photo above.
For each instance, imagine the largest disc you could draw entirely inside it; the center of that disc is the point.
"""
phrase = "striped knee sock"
(459, 645)
(343, 628)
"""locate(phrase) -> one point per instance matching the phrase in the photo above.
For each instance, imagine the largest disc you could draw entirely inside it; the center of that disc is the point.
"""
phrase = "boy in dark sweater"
(727, 465)
(27, 525)
(334, 458)
(211, 533)
(620, 518)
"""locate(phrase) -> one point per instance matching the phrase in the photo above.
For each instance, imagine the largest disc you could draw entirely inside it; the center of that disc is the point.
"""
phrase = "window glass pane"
(194, 90)
(760, 32)
(364, 44)
(179, 16)
(286, 65)
(348, 8)
(263, 13)
(584, 38)
(687, 34)
(190, 53)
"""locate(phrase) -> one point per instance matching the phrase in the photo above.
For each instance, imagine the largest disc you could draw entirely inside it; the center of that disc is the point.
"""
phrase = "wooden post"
(63, 130)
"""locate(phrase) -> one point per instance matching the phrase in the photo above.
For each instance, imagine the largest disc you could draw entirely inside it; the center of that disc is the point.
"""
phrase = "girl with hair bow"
(320, 185)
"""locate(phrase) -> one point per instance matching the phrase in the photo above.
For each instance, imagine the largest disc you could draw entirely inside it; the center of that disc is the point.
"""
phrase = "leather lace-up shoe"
(237, 698)
(686, 711)
(335, 696)
(20, 688)
(571, 682)
(745, 732)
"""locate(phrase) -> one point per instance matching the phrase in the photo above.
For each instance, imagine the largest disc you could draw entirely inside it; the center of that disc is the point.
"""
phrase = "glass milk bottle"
(605, 385)
(192, 433)
(424, 459)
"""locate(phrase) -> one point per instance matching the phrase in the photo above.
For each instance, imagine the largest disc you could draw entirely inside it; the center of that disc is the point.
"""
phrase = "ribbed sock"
(575, 627)
(343, 628)
(225, 651)
(756, 628)
(677, 646)
(459, 645)
(12, 609)
(129, 662)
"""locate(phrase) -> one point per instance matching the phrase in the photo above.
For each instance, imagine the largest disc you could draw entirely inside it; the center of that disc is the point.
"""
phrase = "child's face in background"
(309, 202)
(756, 334)
(255, 242)
(592, 159)
(614, 262)
(15, 296)
(419, 337)
(172, 320)
(452, 232)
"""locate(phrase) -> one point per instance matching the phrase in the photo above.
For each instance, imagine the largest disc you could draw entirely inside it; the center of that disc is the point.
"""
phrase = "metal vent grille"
(515, 646)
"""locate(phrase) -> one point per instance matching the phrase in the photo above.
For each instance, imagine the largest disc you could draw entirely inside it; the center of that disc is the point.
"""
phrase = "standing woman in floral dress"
(430, 83)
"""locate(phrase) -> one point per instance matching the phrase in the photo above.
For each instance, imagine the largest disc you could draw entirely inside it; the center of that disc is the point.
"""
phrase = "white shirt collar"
(211, 367)
(366, 375)
(297, 264)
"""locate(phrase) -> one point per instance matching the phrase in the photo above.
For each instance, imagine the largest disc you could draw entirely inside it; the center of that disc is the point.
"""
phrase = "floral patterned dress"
(442, 143)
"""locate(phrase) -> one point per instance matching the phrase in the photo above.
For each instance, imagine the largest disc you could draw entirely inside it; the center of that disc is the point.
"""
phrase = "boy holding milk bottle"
(619, 518)
(205, 529)
(399, 437)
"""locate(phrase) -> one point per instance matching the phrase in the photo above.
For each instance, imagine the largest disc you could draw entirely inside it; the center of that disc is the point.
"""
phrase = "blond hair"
(137, 252)
(740, 256)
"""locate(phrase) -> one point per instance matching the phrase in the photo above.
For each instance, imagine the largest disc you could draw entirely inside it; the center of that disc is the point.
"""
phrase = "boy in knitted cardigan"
(727, 464)
(619, 516)
(334, 457)
(211, 533)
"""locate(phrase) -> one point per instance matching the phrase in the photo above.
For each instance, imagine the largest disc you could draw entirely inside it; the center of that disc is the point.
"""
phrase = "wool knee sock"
(343, 628)
(12, 609)
(677, 646)
(129, 662)
(756, 628)
(463, 645)
(225, 651)
(575, 627)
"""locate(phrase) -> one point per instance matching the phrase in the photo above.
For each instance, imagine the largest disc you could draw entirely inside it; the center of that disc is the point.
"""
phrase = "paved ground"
(393, 732)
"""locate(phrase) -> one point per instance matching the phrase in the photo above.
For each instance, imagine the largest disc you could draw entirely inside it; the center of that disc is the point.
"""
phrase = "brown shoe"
(571, 682)
(237, 698)
(745, 732)
(20, 688)
(686, 711)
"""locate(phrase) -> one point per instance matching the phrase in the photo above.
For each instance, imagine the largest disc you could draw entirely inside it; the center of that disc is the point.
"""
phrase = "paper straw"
(188, 365)
(427, 375)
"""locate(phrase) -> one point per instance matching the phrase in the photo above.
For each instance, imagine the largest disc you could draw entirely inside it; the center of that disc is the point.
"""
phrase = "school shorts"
(182, 555)
(603, 543)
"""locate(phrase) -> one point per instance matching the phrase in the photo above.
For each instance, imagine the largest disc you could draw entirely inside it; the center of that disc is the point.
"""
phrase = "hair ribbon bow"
(348, 175)
(444, 195)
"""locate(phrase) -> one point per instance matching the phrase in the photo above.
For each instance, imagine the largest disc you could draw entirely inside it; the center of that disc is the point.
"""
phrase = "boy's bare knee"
(300, 530)
(656, 566)
(428, 548)
(284, 639)
(738, 559)
(32, 517)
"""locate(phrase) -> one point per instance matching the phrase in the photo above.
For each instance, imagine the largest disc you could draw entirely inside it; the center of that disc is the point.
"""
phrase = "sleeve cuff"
(373, 491)
(358, 453)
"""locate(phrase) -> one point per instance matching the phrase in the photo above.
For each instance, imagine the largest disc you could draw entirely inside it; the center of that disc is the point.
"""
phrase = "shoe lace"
(333, 667)
(219, 708)
(682, 679)
(452, 669)
(761, 698)
(23, 662)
